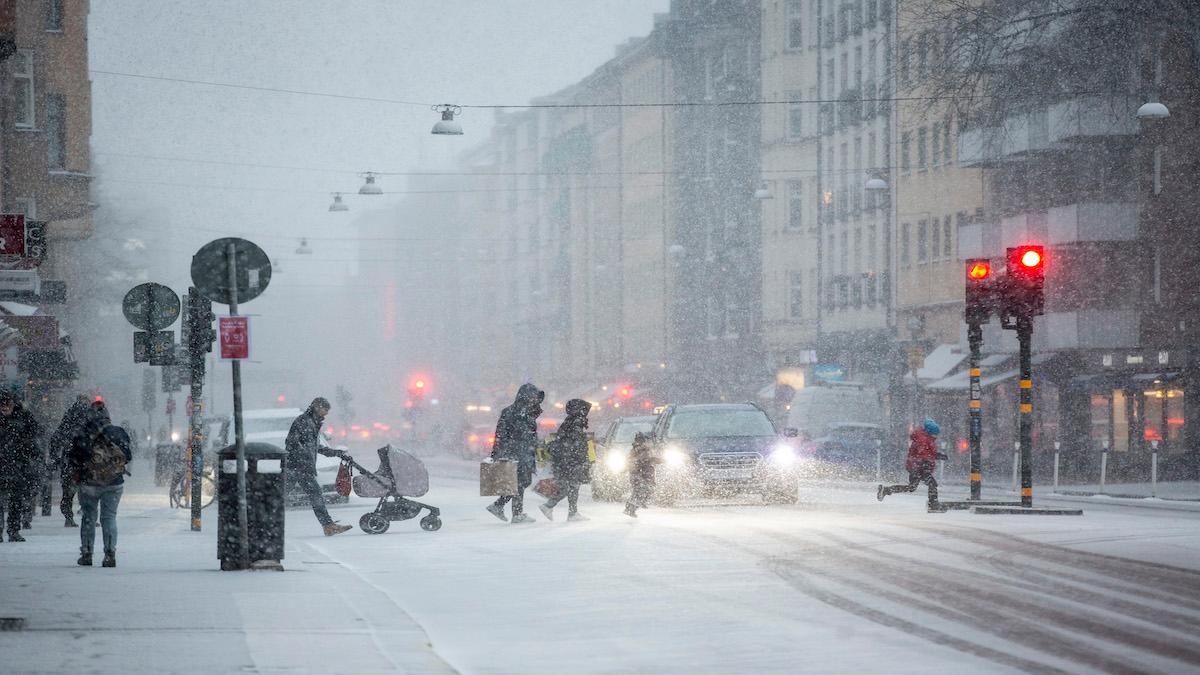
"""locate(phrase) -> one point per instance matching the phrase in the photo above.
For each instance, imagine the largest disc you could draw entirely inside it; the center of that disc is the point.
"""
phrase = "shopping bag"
(497, 478)
(343, 482)
(547, 488)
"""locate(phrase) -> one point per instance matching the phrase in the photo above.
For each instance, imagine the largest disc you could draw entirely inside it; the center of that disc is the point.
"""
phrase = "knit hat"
(931, 427)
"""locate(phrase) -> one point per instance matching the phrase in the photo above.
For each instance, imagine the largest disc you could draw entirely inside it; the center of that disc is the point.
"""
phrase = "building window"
(935, 248)
(858, 69)
(948, 158)
(54, 15)
(922, 241)
(935, 149)
(872, 12)
(844, 252)
(905, 145)
(1158, 157)
(795, 219)
(947, 241)
(858, 252)
(795, 115)
(23, 93)
(56, 132)
(904, 49)
(922, 149)
(795, 26)
(905, 231)
(922, 55)
(796, 295)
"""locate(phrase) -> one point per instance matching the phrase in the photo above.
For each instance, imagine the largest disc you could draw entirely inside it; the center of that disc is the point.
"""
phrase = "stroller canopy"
(407, 473)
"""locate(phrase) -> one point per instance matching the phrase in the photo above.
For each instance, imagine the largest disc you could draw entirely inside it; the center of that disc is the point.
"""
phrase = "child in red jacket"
(922, 459)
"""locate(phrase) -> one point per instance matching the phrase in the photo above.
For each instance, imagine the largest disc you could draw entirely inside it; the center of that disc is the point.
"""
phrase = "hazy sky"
(457, 51)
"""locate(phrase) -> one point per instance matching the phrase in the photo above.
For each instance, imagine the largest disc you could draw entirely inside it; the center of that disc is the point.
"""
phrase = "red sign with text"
(235, 337)
(12, 234)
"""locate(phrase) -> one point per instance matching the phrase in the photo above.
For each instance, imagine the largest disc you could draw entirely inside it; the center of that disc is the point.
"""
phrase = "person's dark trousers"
(67, 505)
(47, 488)
(11, 498)
(313, 489)
(922, 475)
(524, 480)
(571, 492)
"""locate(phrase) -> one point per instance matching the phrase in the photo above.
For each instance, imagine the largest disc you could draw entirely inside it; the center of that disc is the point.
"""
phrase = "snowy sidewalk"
(167, 608)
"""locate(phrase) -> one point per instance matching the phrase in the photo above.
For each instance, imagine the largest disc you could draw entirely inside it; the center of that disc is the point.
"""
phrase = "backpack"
(107, 461)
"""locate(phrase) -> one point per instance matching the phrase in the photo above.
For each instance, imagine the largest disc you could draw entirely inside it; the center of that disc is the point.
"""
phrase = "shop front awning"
(939, 362)
(962, 381)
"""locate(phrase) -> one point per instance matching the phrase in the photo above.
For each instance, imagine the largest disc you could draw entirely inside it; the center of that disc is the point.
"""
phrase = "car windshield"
(719, 423)
(626, 430)
(268, 424)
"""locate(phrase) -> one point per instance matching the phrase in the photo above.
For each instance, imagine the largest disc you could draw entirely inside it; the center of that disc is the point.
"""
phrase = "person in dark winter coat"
(516, 440)
(642, 463)
(100, 484)
(569, 454)
(19, 450)
(60, 453)
(302, 445)
(922, 459)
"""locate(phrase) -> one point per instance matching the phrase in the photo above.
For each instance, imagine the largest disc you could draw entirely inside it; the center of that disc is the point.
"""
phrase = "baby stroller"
(399, 475)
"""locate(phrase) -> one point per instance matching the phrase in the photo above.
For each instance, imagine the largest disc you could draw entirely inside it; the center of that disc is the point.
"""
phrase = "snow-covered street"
(837, 582)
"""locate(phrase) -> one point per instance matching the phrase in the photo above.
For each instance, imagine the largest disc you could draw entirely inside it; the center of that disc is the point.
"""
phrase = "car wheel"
(373, 523)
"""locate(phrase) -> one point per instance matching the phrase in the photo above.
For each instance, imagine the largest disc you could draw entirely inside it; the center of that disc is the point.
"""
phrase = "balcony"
(1092, 117)
(1056, 127)
(1092, 222)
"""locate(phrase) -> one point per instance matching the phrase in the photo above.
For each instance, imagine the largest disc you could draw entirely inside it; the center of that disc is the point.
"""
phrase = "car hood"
(699, 446)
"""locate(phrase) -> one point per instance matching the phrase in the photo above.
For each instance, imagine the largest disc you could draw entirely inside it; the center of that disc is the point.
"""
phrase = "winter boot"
(630, 510)
(498, 511)
(70, 522)
(519, 518)
(577, 517)
(85, 557)
(547, 511)
(881, 493)
(336, 528)
(15, 536)
(110, 559)
(26, 525)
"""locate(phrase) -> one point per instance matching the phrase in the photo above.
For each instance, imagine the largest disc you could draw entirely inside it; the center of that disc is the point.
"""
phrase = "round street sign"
(151, 306)
(210, 270)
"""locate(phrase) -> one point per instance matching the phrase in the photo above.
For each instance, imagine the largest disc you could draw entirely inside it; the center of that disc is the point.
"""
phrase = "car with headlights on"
(610, 474)
(722, 449)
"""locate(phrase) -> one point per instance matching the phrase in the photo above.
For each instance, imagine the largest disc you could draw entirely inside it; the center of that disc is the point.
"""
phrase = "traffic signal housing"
(979, 284)
(200, 333)
(1026, 269)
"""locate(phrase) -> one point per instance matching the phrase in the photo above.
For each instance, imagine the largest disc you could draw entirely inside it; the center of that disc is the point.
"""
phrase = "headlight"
(783, 455)
(174, 436)
(674, 457)
(615, 461)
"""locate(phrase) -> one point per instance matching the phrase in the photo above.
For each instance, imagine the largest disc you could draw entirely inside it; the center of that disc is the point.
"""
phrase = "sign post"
(230, 270)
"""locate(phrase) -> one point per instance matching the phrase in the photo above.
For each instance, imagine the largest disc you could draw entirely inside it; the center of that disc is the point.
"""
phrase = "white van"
(817, 408)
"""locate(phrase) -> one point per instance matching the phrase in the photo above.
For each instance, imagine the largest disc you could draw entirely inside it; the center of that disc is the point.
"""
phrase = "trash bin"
(264, 504)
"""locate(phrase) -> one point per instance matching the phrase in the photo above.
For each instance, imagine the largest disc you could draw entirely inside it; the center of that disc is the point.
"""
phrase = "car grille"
(729, 460)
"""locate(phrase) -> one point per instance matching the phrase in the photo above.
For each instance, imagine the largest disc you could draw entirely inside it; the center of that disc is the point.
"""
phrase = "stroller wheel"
(373, 523)
(431, 523)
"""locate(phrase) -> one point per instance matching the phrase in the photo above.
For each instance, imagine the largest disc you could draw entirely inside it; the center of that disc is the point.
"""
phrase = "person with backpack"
(922, 460)
(99, 458)
(569, 457)
(19, 450)
(642, 463)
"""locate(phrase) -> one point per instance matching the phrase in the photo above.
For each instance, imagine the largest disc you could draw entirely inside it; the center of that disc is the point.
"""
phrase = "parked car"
(610, 474)
(271, 425)
(478, 440)
(725, 448)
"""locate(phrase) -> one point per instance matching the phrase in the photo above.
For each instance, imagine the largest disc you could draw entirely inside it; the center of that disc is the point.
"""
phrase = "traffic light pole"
(1024, 337)
(975, 412)
(195, 445)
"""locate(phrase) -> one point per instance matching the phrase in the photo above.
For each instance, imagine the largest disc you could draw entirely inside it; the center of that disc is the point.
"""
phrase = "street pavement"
(838, 582)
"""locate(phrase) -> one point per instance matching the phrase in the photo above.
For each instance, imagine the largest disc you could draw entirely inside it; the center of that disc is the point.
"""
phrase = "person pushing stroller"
(922, 459)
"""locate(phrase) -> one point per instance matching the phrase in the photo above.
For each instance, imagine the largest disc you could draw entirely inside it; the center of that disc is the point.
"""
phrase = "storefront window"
(1164, 416)
(1120, 420)
(1099, 433)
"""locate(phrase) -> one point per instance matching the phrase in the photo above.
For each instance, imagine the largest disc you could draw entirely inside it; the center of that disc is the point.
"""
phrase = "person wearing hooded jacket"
(60, 450)
(302, 445)
(516, 440)
(569, 454)
(97, 496)
(18, 457)
(922, 459)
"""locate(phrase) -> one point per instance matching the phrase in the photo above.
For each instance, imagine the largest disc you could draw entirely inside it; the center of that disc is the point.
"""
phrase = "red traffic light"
(1026, 260)
(625, 392)
(419, 384)
(1031, 258)
(979, 270)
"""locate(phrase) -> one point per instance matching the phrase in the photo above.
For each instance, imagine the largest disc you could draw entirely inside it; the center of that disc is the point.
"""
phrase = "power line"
(276, 90)
(243, 188)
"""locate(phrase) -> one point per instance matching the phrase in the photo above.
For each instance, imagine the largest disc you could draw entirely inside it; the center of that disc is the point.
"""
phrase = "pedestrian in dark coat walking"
(642, 464)
(60, 453)
(100, 484)
(516, 440)
(19, 432)
(569, 454)
(922, 459)
(303, 444)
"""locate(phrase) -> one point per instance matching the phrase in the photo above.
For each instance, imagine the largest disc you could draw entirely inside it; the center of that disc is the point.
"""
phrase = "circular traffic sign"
(151, 306)
(210, 270)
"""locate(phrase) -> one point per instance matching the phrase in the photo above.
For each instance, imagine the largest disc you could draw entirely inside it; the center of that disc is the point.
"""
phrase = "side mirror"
(791, 432)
